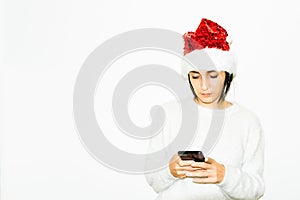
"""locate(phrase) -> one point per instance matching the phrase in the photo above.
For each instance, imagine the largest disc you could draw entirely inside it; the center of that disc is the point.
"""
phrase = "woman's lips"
(206, 94)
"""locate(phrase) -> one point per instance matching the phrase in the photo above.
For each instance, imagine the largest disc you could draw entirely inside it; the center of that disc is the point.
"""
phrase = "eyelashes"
(215, 76)
(211, 76)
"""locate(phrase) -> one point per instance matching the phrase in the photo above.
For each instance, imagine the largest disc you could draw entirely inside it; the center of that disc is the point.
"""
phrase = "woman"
(233, 169)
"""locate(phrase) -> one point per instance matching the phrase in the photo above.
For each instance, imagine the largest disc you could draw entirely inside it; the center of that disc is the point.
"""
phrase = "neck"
(214, 105)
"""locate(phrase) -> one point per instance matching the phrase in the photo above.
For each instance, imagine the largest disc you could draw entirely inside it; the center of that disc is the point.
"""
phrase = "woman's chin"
(205, 101)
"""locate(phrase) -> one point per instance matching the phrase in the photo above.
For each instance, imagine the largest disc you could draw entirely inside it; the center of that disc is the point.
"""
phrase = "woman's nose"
(204, 85)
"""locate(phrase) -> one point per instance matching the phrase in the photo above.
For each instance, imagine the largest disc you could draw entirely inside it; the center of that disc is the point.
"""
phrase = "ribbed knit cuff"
(231, 178)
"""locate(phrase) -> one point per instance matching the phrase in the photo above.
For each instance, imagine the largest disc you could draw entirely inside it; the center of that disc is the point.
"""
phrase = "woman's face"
(208, 86)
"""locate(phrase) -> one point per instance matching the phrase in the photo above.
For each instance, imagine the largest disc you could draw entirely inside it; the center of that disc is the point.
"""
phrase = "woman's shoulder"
(246, 115)
(178, 105)
(176, 109)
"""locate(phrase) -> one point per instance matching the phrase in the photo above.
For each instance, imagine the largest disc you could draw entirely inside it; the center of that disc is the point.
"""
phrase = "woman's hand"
(211, 171)
(179, 168)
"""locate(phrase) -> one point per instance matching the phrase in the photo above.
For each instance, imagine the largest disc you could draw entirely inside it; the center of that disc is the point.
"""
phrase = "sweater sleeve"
(161, 179)
(246, 182)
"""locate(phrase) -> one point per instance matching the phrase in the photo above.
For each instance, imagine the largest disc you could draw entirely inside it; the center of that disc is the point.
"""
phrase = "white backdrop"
(43, 45)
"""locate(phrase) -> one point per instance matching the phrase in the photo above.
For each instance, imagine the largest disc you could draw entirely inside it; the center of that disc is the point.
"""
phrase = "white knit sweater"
(240, 149)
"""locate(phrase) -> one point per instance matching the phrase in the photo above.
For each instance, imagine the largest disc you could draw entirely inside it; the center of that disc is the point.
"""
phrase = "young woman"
(233, 169)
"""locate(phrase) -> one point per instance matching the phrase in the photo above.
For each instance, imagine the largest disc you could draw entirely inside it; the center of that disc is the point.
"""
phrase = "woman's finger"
(188, 168)
(198, 173)
(209, 160)
(183, 163)
(202, 165)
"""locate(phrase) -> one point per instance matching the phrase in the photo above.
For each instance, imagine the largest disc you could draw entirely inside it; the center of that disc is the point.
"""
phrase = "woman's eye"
(213, 76)
(195, 77)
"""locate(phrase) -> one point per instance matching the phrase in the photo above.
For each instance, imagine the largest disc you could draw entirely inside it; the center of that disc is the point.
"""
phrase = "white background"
(43, 45)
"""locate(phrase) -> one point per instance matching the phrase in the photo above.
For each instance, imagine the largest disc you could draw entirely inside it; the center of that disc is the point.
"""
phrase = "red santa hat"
(210, 39)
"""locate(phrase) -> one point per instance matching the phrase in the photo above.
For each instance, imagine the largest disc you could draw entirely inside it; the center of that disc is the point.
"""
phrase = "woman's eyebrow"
(211, 71)
(195, 72)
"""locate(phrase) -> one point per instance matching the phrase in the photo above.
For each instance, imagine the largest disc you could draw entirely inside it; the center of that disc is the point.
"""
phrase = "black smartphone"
(196, 156)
